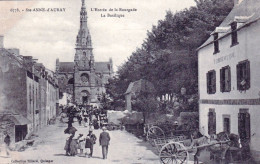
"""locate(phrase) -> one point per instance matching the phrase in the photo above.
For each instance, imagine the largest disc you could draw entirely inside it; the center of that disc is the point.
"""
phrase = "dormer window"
(216, 44)
(234, 34)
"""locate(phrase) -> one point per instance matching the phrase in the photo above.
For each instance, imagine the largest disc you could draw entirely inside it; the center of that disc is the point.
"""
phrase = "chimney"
(1, 41)
(57, 65)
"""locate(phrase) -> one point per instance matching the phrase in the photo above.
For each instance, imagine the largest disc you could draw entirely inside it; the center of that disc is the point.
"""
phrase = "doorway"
(20, 132)
(244, 124)
(226, 123)
(84, 100)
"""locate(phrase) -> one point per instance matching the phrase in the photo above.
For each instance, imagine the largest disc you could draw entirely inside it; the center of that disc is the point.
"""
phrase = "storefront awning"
(19, 120)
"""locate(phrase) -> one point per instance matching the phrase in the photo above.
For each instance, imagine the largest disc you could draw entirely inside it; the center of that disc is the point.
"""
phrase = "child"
(81, 146)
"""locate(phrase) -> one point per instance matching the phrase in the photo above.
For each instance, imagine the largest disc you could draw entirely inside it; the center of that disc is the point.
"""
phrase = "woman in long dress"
(68, 143)
(71, 145)
(74, 146)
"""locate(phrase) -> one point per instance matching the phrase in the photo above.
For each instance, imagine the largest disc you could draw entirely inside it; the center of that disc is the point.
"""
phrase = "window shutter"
(221, 80)
(211, 123)
(208, 83)
(247, 125)
(240, 117)
(214, 123)
(238, 77)
(247, 74)
(229, 79)
(214, 82)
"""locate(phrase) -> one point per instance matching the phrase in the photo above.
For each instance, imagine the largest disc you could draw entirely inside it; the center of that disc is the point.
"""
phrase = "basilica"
(84, 78)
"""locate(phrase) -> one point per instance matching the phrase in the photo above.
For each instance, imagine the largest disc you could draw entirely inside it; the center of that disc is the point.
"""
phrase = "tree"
(145, 103)
(115, 89)
(105, 102)
(167, 57)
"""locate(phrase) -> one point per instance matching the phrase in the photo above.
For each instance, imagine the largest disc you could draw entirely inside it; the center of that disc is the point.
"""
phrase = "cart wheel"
(174, 152)
(153, 133)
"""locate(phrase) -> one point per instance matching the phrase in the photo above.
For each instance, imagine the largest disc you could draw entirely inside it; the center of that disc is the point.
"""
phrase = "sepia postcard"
(129, 81)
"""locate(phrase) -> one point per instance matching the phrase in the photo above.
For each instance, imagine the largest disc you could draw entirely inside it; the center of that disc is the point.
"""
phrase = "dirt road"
(49, 148)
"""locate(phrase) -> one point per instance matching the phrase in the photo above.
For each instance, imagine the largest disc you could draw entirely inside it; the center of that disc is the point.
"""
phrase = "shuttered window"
(211, 122)
(243, 75)
(211, 82)
(225, 79)
(244, 124)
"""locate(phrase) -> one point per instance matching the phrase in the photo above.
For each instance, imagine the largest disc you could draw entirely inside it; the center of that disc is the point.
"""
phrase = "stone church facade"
(84, 78)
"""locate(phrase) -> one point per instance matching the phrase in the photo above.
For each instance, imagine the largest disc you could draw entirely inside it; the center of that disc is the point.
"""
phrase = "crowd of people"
(93, 119)
(90, 116)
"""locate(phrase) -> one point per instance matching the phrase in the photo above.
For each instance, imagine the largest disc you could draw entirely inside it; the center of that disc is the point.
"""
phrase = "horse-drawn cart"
(178, 148)
(171, 151)
(156, 132)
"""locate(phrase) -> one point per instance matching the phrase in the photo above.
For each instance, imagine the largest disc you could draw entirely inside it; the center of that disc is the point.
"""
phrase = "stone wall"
(14, 88)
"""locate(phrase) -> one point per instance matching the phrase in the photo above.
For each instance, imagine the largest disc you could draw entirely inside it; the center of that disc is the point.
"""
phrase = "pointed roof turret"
(83, 37)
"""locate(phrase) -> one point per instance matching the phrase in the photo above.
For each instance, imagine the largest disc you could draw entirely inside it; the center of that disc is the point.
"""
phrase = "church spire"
(84, 56)
(83, 34)
(83, 16)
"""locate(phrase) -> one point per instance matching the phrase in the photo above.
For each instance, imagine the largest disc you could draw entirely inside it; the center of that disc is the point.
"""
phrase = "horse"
(219, 144)
(200, 145)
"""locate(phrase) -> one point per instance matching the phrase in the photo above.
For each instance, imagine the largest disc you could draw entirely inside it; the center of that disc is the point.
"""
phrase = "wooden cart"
(177, 149)
(178, 152)
(155, 132)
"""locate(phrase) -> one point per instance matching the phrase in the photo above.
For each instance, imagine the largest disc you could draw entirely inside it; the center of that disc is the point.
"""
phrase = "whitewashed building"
(229, 76)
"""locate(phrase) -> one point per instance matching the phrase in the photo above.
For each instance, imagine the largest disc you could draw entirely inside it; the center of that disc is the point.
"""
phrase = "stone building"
(14, 96)
(49, 94)
(52, 95)
(136, 88)
(24, 89)
(229, 77)
(43, 93)
(84, 78)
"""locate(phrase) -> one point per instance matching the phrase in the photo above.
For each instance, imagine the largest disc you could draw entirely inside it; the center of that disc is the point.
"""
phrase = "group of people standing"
(86, 144)
(89, 116)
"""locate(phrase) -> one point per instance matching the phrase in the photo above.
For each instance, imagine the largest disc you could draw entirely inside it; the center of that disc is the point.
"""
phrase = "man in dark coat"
(90, 141)
(104, 139)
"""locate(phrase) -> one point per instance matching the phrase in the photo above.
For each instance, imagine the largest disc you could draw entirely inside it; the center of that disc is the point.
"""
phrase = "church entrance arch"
(71, 81)
(85, 97)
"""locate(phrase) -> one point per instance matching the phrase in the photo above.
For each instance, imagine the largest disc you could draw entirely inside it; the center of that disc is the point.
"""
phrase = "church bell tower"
(84, 75)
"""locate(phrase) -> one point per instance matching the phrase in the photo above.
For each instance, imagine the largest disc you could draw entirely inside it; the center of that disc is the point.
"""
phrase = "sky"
(50, 35)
